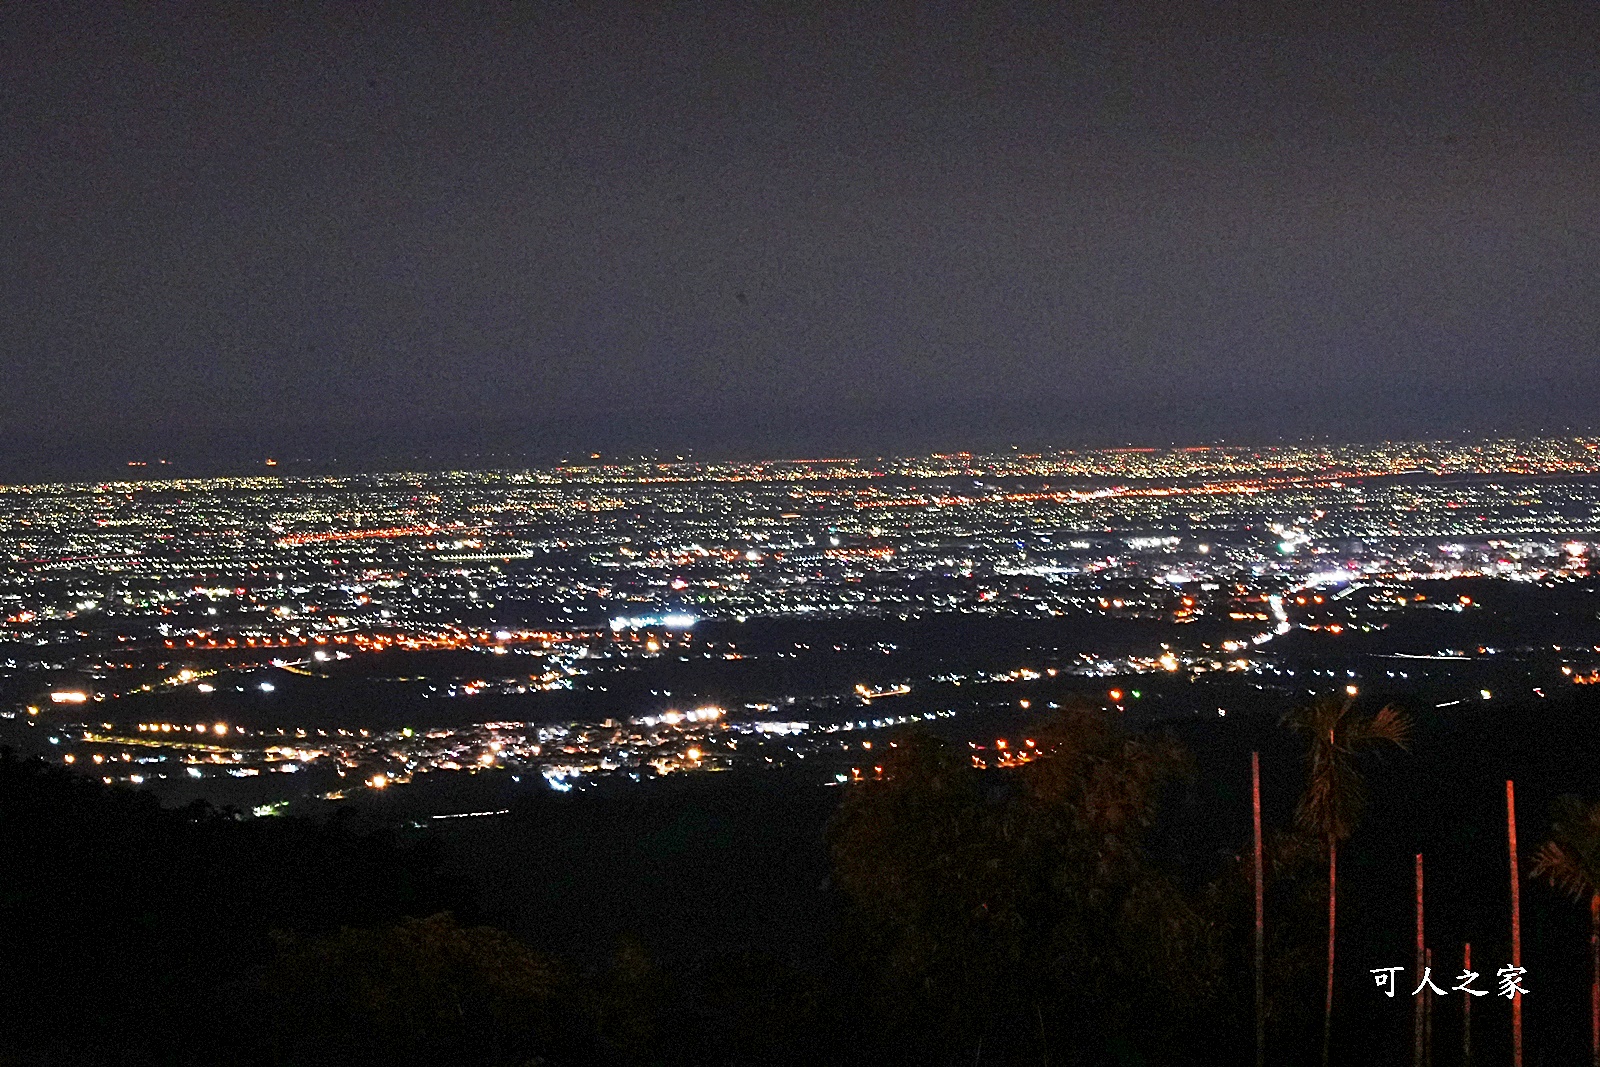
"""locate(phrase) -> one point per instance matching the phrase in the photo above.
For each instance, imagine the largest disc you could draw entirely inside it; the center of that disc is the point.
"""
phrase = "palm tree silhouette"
(1570, 862)
(1331, 805)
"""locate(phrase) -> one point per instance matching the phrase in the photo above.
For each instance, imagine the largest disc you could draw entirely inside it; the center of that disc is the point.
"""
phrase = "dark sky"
(362, 231)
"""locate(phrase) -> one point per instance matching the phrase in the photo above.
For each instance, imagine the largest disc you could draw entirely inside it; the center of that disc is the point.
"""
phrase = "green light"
(1137, 694)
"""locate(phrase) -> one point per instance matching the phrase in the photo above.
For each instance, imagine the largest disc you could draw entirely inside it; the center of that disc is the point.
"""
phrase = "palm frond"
(1334, 798)
(1316, 718)
(1389, 724)
(1562, 870)
(1570, 860)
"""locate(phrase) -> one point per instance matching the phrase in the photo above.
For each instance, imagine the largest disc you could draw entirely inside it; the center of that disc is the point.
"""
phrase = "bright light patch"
(640, 622)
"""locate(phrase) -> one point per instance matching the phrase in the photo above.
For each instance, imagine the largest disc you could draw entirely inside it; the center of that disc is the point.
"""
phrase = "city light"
(584, 579)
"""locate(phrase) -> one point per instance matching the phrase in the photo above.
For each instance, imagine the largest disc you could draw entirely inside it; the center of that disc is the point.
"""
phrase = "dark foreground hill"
(701, 920)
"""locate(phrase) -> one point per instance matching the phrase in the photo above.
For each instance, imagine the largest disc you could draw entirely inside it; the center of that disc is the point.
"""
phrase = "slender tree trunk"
(1418, 1001)
(1261, 926)
(1594, 981)
(1516, 919)
(1333, 898)
(1427, 1017)
(1466, 1008)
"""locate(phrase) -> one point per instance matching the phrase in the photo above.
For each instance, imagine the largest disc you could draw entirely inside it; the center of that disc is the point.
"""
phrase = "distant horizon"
(157, 470)
(440, 232)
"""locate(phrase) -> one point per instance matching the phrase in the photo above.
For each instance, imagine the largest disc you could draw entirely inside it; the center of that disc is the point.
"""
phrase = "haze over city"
(362, 233)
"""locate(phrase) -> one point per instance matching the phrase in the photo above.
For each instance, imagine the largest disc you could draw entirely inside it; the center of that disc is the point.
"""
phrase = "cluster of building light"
(134, 589)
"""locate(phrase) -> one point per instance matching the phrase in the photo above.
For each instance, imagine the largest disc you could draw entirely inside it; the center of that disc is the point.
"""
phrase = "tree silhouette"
(1293, 951)
(1017, 908)
(100, 881)
(424, 991)
(1570, 862)
(1334, 796)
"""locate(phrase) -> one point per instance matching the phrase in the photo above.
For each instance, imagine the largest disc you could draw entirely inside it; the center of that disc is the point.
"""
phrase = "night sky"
(363, 232)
